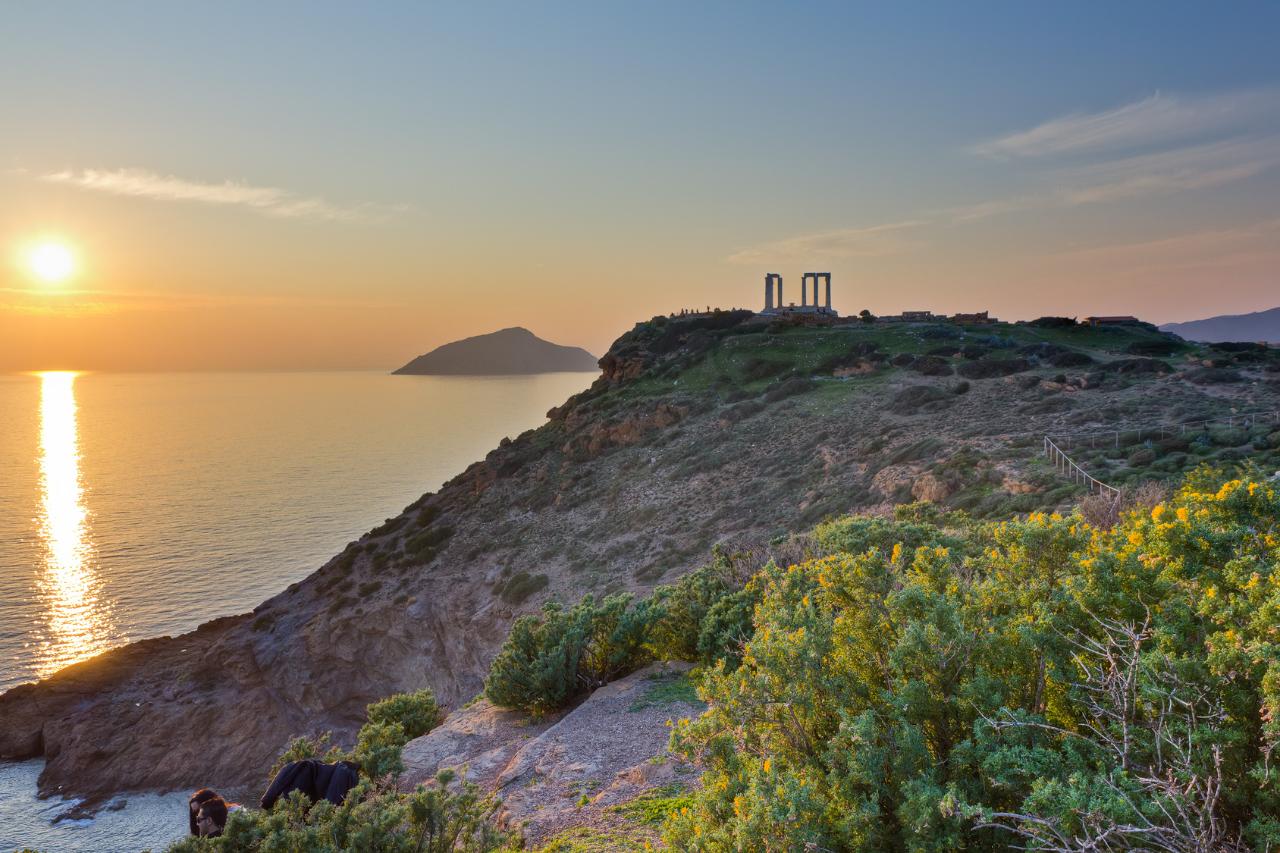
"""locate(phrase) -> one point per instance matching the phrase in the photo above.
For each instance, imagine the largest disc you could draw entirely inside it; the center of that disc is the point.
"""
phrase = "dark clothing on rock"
(315, 779)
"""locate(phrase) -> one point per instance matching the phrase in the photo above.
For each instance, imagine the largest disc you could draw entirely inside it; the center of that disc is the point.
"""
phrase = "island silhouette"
(506, 351)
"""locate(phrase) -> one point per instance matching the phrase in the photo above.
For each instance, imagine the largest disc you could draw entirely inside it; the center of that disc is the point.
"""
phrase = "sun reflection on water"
(78, 625)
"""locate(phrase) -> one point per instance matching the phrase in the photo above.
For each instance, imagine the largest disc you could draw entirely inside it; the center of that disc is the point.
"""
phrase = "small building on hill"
(1119, 320)
(978, 319)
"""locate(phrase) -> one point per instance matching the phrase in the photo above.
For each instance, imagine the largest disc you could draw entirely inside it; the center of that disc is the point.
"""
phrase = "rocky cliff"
(699, 431)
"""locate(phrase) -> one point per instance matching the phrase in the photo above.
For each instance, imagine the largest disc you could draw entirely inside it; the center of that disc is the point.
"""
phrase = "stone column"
(768, 292)
(828, 276)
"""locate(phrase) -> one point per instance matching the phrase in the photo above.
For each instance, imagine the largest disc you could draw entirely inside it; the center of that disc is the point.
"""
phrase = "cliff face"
(508, 351)
(698, 431)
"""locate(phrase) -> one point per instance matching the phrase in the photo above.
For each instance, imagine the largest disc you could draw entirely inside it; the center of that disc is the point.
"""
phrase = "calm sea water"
(136, 505)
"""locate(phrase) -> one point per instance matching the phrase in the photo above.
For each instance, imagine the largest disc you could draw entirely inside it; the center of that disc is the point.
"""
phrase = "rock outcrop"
(556, 774)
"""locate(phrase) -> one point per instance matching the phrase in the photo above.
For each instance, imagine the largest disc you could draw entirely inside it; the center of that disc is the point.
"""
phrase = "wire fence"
(1069, 468)
(1116, 437)
(1066, 466)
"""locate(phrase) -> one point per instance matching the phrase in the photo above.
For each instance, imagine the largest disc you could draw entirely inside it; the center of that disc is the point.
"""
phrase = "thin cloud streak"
(91, 301)
(271, 201)
(1193, 167)
(871, 242)
(1157, 119)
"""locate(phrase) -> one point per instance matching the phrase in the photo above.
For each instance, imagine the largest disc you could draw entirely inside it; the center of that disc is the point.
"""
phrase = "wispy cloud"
(1157, 146)
(271, 201)
(1189, 168)
(1159, 119)
(1206, 248)
(870, 242)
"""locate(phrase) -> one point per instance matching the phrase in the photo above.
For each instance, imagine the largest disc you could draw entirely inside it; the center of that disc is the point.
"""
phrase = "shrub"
(550, 659)
(417, 713)
(425, 544)
(1034, 684)
(443, 817)
(727, 626)
(682, 606)
(789, 388)
(391, 525)
(521, 585)
(919, 398)
(987, 368)
(932, 365)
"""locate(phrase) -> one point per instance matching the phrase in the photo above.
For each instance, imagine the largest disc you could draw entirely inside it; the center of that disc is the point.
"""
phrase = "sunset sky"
(249, 185)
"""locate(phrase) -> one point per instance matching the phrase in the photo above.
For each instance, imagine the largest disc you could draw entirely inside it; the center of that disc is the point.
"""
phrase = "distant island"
(1258, 326)
(514, 350)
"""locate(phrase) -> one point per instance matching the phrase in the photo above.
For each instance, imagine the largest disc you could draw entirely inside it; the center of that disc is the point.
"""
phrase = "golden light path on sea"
(77, 624)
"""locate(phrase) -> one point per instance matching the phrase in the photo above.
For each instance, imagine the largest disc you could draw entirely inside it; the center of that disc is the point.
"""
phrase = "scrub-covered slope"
(701, 430)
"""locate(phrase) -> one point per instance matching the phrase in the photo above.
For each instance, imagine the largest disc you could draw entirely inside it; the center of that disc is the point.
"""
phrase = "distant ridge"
(507, 351)
(1258, 326)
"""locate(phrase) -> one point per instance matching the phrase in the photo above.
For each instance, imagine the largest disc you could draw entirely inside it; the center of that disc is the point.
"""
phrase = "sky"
(315, 186)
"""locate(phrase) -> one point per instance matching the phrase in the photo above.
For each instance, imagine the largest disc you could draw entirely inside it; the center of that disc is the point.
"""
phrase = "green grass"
(667, 690)
(652, 807)
(582, 839)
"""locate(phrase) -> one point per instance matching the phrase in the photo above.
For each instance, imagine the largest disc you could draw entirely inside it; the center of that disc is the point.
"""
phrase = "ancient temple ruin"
(774, 304)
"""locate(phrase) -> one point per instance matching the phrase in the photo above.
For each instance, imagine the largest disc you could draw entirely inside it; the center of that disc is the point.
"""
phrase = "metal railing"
(1066, 466)
(1102, 438)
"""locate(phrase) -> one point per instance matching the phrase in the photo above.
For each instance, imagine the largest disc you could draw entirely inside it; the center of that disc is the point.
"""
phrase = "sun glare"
(51, 262)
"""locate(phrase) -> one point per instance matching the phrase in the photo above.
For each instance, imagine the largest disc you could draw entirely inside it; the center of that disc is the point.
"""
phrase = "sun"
(51, 262)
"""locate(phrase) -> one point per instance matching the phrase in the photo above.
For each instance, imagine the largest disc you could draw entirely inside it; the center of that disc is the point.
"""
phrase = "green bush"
(1034, 684)
(417, 712)
(552, 658)
(521, 585)
(682, 607)
(426, 543)
(442, 817)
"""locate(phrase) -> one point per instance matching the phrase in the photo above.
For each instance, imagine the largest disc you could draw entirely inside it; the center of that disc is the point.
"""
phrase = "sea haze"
(137, 505)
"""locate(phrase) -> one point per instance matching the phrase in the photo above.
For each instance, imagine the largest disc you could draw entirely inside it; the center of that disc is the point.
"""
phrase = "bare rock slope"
(713, 429)
(571, 771)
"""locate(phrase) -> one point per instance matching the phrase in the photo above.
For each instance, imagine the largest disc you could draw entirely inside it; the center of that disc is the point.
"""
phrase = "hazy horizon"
(341, 188)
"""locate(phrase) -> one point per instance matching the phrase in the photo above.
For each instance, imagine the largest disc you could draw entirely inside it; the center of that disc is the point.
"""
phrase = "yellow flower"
(767, 764)
(1135, 538)
(1157, 512)
(1183, 515)
(897, 552)
(1211, 592)
(1253, 581)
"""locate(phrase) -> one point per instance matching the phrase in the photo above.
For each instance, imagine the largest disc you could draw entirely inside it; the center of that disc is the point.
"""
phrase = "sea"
(141, 505)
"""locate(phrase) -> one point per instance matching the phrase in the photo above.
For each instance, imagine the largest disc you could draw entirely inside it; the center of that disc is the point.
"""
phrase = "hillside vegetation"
(700, 431)
(922, 683)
